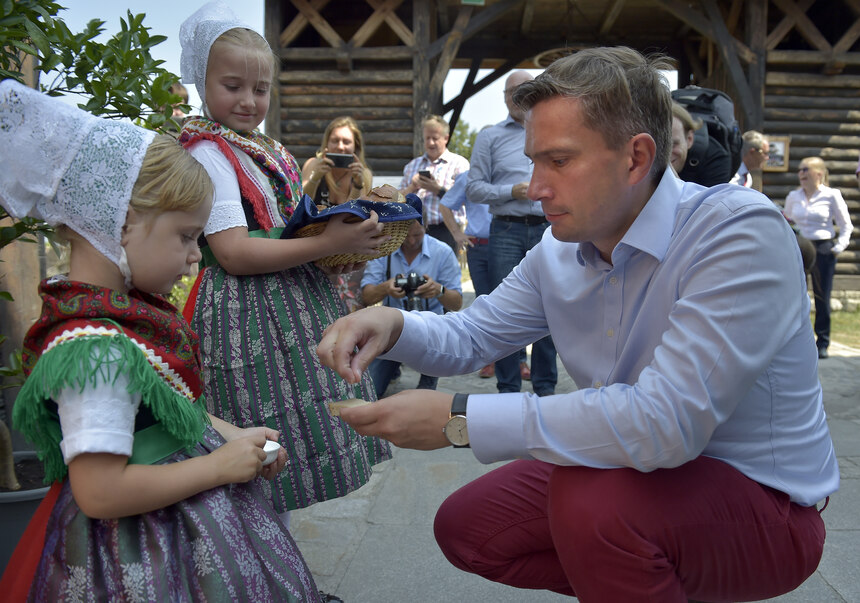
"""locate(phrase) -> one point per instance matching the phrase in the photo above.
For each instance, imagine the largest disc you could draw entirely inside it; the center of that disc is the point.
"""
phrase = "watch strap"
(458, 406)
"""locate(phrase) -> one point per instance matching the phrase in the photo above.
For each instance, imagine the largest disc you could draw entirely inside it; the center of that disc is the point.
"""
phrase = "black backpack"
(716, 152)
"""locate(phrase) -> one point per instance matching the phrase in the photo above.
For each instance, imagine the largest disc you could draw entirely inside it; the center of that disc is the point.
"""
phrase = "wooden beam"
(320, 76)
(611, 16)
(804, 24)
(847, 40)
(700, 23)
(394, 22)
(734, 16)
(730, 59)
(775, 78)
(810, 57)
(700, 72)
(469, 91)
(373, 22)
(319, 23)
(528, 17)
(458, 106)
(481, 21)
(452, 45)
(271, 30)
(421, 101)
(785, 25)
(376, 53)
(297, 25)
(756, 39)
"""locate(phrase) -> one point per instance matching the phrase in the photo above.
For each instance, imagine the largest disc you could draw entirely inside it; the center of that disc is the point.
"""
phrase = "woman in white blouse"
(814, 208)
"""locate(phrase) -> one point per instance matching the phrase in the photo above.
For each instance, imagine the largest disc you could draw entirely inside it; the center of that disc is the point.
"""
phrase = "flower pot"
(16, 509)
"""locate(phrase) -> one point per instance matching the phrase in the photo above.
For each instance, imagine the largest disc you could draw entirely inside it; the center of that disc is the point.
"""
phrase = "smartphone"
(341, 160)
(425, 173)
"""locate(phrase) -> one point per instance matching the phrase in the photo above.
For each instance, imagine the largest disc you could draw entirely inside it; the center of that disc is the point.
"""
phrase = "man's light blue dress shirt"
(695, 340)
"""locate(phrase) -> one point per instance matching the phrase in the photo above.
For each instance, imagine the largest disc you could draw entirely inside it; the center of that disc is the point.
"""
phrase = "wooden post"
(756, 39)
(272, 31)
(421, 70)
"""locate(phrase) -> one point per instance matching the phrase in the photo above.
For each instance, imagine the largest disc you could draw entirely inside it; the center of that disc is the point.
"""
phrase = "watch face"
(456, 430)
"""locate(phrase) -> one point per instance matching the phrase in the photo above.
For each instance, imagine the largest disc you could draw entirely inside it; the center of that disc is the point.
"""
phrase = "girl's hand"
(240, 460)
(363, 237)
(270, 472)
(239, 433)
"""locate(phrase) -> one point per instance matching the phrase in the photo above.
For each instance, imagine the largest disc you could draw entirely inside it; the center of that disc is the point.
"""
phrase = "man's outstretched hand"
(412, 418)
(353, 341)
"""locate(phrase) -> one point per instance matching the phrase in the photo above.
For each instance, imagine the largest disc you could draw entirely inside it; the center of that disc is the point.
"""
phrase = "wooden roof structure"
(791, 66)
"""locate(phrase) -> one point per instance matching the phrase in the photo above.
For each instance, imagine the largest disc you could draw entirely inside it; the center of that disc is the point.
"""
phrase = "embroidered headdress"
(196, 36)
(66, 166)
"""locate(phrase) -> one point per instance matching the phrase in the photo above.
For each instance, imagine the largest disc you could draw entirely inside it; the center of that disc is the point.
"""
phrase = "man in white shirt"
(754, 154)
(689, 462)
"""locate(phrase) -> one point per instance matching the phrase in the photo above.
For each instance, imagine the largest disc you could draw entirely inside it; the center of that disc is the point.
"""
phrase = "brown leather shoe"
(525, 372)
(487, 372)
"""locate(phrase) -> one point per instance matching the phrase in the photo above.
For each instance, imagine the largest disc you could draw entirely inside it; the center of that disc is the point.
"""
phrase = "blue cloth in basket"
(389, 211)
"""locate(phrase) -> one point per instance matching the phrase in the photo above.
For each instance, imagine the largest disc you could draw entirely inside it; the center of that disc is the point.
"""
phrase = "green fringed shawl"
(74, 344)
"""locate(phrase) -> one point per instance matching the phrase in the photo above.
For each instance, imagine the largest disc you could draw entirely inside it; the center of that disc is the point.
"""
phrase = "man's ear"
(691, 136)
(642, 152)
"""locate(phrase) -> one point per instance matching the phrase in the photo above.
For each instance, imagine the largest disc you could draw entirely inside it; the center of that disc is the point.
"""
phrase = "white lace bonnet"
(65, 166)
(196, 36)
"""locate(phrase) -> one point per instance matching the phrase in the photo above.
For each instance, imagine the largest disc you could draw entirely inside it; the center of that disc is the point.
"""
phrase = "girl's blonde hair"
(249, 40)
(817, 164)
(170, 179)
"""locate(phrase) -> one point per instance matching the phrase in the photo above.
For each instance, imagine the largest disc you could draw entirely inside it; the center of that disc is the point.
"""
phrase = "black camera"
(409, 284)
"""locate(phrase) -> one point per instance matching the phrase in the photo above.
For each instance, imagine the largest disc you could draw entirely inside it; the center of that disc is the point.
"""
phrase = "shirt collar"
(445, 157)
(651, 231)
(423, 253)
(510, 121)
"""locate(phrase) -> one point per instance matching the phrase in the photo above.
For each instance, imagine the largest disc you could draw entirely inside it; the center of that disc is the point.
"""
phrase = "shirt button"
(598, 384)
(610, 332)
(613, 280)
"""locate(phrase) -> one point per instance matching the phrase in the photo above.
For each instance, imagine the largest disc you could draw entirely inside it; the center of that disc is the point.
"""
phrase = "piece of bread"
(386, 193)
(334, 408)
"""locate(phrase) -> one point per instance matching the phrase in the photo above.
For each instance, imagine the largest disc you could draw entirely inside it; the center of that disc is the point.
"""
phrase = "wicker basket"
(396, 230)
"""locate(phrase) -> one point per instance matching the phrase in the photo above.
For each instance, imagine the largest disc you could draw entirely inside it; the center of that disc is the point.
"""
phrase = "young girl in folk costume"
(156, 501)
(261, 303)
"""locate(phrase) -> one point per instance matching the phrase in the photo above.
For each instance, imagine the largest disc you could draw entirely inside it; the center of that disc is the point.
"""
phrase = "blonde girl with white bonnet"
(261, 303)
(153, 500)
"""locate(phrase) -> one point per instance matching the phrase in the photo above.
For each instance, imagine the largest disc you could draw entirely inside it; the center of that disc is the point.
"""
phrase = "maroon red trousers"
(701, 531)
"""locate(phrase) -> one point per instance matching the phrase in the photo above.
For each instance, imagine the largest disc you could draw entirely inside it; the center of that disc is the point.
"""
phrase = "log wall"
(380, 100)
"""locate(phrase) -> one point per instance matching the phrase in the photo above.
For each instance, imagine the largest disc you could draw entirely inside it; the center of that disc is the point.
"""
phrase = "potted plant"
(117, 78)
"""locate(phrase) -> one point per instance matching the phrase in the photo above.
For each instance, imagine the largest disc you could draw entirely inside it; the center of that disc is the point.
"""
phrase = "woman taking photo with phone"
(329, 178)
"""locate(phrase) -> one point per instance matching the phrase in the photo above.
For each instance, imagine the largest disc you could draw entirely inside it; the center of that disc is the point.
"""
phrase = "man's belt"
(478, 241)
(527, 220)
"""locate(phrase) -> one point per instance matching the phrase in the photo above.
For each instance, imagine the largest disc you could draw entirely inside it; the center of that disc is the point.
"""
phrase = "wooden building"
(792, 67)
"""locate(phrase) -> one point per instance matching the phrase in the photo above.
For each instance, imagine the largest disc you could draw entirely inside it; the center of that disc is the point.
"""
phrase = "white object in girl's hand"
(271, 449)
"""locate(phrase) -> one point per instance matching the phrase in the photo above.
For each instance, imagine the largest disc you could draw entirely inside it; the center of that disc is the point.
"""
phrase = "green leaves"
(115, 77)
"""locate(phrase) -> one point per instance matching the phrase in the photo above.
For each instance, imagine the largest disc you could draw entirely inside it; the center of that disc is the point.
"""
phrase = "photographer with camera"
(423, 274)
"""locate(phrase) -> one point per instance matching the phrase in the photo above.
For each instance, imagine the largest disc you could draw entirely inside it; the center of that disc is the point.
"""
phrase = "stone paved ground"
(376, 545)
